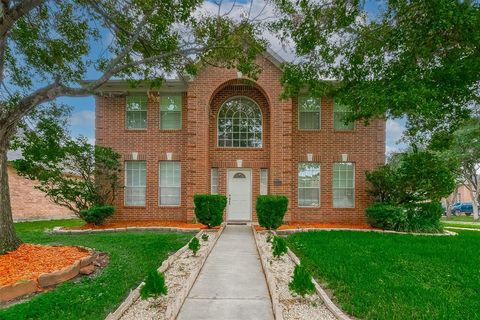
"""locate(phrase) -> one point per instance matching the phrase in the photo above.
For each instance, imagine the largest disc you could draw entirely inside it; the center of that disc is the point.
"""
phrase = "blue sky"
(83, 108)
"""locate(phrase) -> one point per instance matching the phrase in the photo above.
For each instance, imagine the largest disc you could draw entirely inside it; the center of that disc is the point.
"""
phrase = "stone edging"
(337, 312)
(172, 311)
(445, 233)
(277, 307)
(61, 230)
(46, 280)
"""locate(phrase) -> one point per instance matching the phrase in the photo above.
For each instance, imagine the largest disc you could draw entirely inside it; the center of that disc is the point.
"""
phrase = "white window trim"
(354, 187)
(127, 111)
(319, 186)
(261, 123)
(160, 112)
(319, 114)
(125, 185)
(160, 187)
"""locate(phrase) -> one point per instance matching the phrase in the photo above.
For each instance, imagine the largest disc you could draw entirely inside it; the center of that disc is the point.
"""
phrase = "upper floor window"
(240, 124)
(340, 114)
(308, 113)
(136, 112)
(170, 112)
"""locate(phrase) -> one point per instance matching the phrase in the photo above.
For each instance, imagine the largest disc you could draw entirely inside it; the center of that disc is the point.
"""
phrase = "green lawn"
(463, 218)
(132, 254)
(461, 225)
(391, 276)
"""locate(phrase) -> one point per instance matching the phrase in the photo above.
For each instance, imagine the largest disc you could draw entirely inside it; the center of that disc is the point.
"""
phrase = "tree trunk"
(8, 238)
(474, 204)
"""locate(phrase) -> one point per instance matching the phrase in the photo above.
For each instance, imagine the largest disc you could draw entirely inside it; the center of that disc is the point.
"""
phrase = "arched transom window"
(240, 124)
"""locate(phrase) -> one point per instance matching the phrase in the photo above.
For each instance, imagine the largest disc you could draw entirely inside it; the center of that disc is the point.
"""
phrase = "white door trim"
(228, 192)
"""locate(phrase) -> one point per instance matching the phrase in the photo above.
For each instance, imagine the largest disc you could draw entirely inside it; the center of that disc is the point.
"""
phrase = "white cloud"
(395, 129)
(84, 117)
(14, 155)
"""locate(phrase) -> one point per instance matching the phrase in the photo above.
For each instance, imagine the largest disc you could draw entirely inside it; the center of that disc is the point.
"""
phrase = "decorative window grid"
(169, 183)
(308, 184)
(171, 112)
(344, 185)
(263, 181)
(340, 114)
(135, 183)
(136, 112)
(309, 113)
(214, 181)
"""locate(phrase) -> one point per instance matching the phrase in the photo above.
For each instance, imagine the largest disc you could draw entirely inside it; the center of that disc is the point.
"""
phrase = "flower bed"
(180, 272)
(140, 223)
(33, 268)
(279, 273)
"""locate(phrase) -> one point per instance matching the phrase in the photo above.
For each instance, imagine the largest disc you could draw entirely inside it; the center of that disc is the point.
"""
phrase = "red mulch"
(30, 260)
(323, 225)
(142, 223)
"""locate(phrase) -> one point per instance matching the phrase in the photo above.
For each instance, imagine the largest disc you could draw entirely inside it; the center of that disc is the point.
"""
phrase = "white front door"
(239, 194)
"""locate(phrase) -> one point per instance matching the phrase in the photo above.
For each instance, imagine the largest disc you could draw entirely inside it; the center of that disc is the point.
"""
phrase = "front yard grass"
(461, 225)
(463, 218)
(392, 276)
(132, 255)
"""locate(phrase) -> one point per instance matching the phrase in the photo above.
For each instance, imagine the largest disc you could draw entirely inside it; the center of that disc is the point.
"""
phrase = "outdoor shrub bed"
(32, 268)
(280, 272)
(179, 275)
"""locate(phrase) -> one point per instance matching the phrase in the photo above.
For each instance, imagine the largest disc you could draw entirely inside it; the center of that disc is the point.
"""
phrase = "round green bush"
(97, 214)
(209, 208)
(271, 210)
(386, 216)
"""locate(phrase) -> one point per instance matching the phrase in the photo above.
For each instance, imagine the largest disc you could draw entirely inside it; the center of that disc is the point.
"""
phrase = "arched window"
(240, 124)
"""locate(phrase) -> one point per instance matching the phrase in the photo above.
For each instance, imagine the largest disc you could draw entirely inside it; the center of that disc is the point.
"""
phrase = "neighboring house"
(29, 203)
(221, 133)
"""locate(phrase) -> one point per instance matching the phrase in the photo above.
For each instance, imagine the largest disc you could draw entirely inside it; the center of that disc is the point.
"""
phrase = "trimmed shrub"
(209, 208)
(301, 283)
(424, 216)
(154, 285)
(411, 217)
(271, 210)
(97, 214)
(279, 247)
(205, 237)
(386, 216)
(194, 245)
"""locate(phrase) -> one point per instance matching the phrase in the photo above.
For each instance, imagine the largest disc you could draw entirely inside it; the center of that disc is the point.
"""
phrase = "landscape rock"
(56, 277)
(18, 289)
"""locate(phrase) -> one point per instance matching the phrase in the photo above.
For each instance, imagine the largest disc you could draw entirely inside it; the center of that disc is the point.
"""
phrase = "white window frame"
(345, 187)
(240, 138)
(263, 181)
(299, 112)
(139, 186)
(336, 112)
(162, 112)
(315, 187)
(170, 184)
(214, 181)
(143, 101)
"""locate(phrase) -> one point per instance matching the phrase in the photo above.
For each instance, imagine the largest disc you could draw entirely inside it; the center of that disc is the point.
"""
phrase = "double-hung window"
(169, 183)
(214, 181)
(135, 183)
(308, 184)
(136, 112)
(344, 185)
(171, 112)
(340, 115)
(309, 113)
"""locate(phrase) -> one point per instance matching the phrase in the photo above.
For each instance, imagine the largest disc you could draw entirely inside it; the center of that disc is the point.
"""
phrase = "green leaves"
(418, 60)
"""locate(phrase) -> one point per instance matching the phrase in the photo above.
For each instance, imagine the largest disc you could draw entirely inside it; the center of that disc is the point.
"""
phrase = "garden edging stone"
(445, 233)
(49, 279)
(18, 289)
(172, 311)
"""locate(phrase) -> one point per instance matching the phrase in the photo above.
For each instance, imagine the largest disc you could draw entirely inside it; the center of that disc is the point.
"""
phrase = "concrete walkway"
(231, 284)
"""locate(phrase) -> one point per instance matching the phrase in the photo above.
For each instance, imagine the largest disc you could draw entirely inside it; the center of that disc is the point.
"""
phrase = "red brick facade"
(195, 145)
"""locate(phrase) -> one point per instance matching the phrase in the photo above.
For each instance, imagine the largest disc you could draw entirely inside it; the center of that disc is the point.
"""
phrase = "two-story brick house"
(221, 133)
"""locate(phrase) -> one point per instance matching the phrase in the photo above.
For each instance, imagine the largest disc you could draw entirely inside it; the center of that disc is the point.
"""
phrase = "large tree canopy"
(413, 59)
(47, 47)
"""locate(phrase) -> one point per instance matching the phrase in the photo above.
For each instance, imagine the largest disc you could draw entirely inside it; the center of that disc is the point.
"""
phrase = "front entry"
(239, 205)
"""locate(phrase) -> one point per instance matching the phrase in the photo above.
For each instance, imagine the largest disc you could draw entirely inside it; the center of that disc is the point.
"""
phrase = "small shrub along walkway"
(132, 255)
(394, 276)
